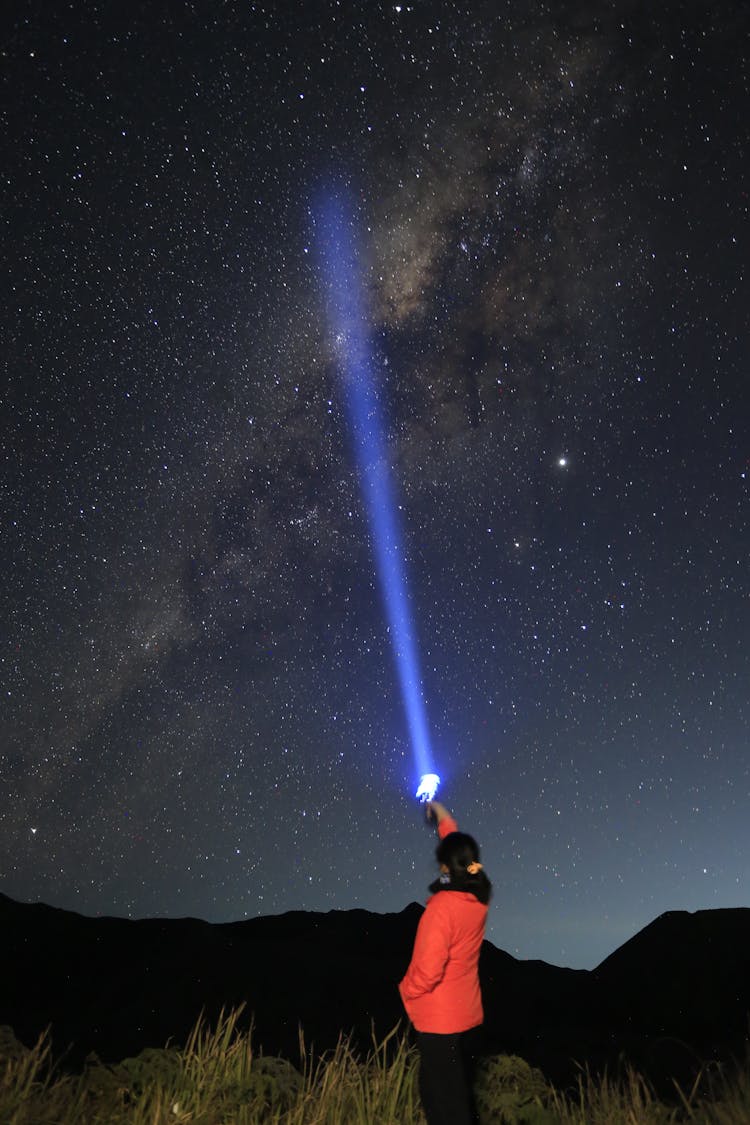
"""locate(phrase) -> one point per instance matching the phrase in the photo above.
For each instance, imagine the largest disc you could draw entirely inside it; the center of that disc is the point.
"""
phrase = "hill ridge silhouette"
(116, 985)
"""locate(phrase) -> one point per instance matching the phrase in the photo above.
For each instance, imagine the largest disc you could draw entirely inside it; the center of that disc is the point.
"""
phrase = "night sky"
(200, 708)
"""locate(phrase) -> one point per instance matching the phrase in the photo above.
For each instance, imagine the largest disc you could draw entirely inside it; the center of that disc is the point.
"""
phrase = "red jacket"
(441, 988)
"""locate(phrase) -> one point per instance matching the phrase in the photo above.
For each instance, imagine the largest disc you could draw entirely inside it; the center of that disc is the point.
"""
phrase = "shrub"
(510, 1092)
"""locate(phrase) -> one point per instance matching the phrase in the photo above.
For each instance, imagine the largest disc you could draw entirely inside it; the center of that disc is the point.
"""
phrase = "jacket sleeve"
(430, 955)
(446, 826)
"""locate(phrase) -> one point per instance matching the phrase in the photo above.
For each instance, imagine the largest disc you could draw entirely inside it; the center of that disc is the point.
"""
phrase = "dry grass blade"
(219, 1079)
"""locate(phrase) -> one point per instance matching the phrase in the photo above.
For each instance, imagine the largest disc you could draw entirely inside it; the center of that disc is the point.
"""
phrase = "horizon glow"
(346, 310)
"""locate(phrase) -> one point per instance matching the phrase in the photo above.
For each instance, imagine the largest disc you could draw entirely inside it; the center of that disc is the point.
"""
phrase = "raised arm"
(445, 822)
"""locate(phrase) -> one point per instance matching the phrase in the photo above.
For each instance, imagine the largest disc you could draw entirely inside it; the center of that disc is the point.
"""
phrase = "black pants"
(446, 1074)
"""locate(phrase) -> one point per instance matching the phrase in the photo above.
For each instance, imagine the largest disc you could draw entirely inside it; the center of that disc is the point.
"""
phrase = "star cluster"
(200, 714)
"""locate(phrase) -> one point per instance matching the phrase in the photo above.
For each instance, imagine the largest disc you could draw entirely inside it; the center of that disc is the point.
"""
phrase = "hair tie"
(473, 867)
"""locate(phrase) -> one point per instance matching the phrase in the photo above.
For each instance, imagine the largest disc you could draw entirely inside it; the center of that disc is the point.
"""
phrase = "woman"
(441, 988)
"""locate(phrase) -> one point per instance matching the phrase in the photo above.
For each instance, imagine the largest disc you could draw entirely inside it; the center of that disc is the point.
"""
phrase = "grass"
(217, 1078)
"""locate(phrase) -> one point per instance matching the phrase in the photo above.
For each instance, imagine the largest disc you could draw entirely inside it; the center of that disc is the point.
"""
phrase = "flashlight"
(428, 786)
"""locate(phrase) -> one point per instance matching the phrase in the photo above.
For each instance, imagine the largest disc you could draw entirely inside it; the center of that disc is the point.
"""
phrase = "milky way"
(200, 709)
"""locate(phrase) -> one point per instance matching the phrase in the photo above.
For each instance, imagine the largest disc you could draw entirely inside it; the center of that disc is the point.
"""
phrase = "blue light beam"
(336, 232)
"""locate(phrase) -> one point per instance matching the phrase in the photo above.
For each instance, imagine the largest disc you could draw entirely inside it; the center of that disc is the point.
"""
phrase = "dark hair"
(457, 851)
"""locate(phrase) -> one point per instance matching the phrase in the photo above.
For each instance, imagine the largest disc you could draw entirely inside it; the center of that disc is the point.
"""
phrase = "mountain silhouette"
(678, 989)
